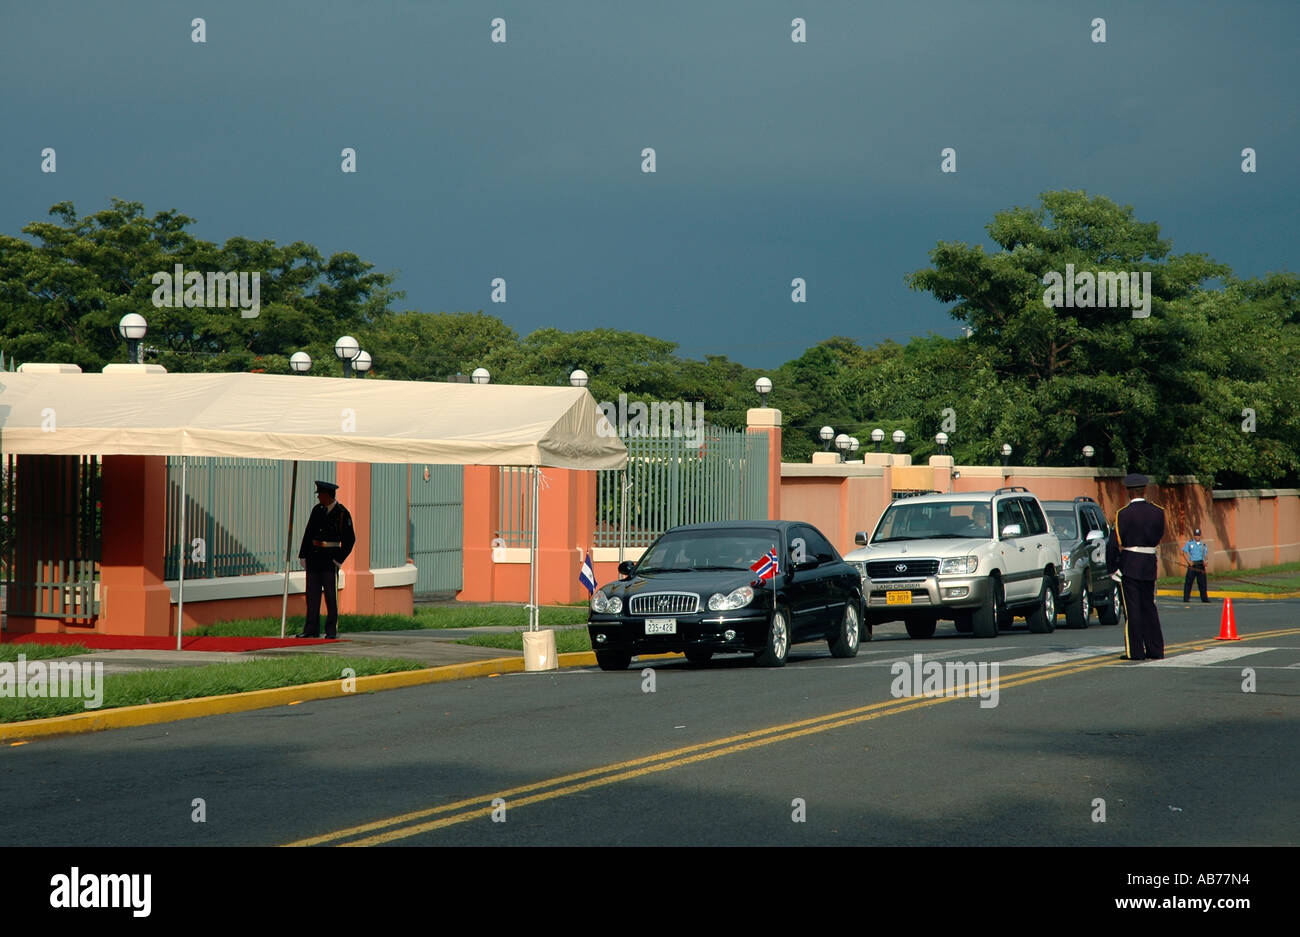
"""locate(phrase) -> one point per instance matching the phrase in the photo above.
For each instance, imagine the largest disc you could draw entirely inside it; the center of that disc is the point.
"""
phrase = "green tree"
(62, 295)
(1067, 377)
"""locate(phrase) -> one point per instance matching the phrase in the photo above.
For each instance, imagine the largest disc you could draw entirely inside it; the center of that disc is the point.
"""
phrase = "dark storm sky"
(775, 159)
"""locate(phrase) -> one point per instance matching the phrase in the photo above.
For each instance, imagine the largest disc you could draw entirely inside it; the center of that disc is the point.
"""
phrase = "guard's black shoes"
(304, 635)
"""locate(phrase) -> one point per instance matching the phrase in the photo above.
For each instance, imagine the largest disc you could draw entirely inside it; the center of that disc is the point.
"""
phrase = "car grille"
(665, 603)
(888, 569)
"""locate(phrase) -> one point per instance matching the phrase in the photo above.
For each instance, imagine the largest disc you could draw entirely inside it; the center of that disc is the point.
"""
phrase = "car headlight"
(736, 599)
(611, 604)
(1065, 561)
(862, 570)
(959, 566)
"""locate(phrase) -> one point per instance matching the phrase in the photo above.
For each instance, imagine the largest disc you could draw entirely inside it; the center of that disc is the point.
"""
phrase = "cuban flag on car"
(587, 575)
(766, 566)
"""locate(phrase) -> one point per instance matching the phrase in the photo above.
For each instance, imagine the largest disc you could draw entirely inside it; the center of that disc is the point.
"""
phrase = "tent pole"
(288, 546)
(533, 616)
(183, 545)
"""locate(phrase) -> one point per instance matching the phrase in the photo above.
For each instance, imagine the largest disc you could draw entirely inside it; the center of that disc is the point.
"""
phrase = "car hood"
(935, 548)
(704, 583)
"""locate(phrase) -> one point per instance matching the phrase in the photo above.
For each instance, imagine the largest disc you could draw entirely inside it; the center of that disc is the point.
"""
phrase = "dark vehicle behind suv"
(1081, 528)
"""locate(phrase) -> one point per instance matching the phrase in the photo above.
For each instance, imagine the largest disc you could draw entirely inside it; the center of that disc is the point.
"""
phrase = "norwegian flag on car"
(766, 566)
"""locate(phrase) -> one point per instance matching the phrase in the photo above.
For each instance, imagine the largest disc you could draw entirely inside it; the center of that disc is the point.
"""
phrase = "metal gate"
(436, 523)
(50, 527)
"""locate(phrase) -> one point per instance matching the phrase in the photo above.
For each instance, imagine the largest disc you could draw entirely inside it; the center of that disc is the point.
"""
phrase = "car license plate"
(898, 598)
(661, 626)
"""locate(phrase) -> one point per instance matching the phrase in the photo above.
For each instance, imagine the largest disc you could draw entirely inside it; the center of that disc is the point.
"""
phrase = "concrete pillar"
(767, 420)
(133, 598)
(566, 512)
(357, 596)
(941, 466)
(481, 496)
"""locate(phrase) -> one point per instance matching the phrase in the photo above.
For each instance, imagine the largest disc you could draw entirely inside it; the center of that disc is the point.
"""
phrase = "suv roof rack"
(1084, 498)
(1012, 488)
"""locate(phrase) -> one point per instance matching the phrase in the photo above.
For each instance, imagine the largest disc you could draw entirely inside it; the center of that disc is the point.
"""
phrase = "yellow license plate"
(898, 598)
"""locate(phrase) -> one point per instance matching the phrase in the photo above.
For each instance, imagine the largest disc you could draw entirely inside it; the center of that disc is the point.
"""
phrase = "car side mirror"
(1094, 535)
(626, 568)
(1011, 530)
(860, 538)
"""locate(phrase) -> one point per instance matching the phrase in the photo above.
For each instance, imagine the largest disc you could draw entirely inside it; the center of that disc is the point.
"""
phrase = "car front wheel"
(986, 618)
(1042, 620)
(778, 641)
(1112, 613)
(1079, 610)
(845, 643)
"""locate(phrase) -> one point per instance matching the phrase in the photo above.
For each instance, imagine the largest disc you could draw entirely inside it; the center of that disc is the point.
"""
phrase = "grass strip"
(10, 652)
(566, 642)
(180, 683)
(429, 617)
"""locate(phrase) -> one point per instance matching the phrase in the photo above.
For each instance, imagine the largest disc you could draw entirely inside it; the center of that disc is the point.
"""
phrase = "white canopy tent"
(307, 418)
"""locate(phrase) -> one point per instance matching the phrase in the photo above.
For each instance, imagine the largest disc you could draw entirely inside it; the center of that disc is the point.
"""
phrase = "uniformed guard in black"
(326, 543)
(1131, 557)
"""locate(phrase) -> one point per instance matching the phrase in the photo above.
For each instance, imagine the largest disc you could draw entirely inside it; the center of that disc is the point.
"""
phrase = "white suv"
(936, 556)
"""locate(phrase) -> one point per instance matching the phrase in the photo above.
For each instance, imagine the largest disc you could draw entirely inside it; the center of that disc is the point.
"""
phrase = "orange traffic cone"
(1227, 623)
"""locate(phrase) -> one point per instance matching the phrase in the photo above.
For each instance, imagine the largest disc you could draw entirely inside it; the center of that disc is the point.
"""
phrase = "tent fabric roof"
(273, 416)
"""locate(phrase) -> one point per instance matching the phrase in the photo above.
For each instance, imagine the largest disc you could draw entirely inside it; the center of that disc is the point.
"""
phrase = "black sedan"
(696, 591)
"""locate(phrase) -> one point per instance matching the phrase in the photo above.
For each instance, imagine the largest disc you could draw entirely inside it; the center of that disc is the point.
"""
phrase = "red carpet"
(127, 642)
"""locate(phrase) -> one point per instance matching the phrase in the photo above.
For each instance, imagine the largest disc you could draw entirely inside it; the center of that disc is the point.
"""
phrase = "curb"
(1215, 594)
(153, 713)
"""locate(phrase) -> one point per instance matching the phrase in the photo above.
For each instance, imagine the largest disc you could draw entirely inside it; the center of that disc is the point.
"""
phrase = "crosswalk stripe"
(1205, 658)
(1060, 657)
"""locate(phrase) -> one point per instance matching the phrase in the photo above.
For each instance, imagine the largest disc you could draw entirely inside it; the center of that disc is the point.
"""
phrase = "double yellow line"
(463, 811)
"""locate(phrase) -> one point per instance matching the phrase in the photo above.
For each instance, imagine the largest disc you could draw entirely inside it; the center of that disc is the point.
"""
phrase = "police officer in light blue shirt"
(1196, 551)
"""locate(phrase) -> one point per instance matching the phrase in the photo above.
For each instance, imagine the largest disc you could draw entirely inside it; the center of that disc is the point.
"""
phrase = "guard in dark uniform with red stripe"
(1131, 559)
(326, 543)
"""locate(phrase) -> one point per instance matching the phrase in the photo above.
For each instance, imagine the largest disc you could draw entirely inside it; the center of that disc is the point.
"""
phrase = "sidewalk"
(432, 647)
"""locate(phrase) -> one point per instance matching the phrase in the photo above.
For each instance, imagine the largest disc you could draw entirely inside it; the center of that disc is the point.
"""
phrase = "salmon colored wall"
(566, 507)
(1288, 529)
(133, 598)
(358, 598)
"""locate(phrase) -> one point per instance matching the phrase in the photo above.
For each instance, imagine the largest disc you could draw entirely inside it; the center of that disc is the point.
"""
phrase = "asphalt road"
(728, 754)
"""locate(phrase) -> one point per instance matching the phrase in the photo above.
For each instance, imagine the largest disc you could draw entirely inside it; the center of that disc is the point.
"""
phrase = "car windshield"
(1063, 525)
(934, 521)
(722, 549)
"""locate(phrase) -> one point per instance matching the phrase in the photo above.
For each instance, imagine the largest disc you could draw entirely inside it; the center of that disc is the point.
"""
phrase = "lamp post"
(826, 434)
(347, 348)
(361, 363)
(300, 362)
(854, 445)
(1088, 453)
(1006, 453)
(764, 387)
(877, 436)
(942, 440)
(132, 326)
(578, 378)
(900, 437)
(842, 444)
(481, 376)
